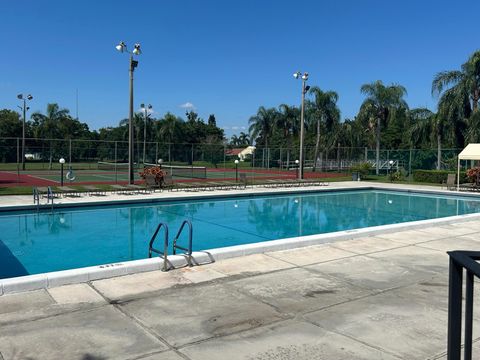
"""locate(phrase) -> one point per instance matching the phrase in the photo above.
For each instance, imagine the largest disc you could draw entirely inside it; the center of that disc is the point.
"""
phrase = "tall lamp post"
(24, 98)
(147, 109)
(133, 64)
(62, 162)
(304, 77)
(236, 170)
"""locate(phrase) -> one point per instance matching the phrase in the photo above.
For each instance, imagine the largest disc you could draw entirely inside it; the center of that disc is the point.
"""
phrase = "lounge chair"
(451, 182)
(67, 191)
(93, 190)
(46, 192)
(151, 183)
(120, 189)
(168, 182)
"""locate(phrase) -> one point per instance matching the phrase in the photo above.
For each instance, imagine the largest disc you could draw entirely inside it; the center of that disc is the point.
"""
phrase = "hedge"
(436, 176)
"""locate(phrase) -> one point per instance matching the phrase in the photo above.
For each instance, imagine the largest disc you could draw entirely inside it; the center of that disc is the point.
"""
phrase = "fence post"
(115, 166)
(70, 152)
(156, 153)
(338, 157)
(18, 160)
(410, 164)
(224, 160)
(169, 154)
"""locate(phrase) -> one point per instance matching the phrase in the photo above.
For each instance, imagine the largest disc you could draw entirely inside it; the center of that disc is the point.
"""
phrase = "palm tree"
(168, 127)
(288, 120)
(324, 111)
(459, 92)
(234, 140)
(48, 125)
(261, 126)
(243, 139)
(379, 105)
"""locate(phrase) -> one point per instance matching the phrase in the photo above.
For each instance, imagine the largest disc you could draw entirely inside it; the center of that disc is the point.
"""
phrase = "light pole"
(146, 110)
(236, 170)
(297, 162)
(25, 108)
(133, 64)
(61, 161)
(304, 78)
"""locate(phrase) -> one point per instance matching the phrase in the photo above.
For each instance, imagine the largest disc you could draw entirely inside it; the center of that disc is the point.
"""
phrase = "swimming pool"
(38, 242)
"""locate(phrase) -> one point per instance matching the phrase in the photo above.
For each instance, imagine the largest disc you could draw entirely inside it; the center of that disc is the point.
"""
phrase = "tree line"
(384, 118)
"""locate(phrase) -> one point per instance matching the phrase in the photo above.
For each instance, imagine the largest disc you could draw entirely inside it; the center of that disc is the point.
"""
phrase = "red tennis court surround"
(9, 179)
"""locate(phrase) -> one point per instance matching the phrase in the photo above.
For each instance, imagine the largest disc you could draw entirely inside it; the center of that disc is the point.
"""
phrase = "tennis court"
(108, 173)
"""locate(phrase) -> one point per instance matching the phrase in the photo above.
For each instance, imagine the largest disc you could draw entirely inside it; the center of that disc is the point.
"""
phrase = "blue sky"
(225, 57)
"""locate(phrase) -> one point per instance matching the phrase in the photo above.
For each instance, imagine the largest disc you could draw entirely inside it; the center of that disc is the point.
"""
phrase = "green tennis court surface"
(109, 176)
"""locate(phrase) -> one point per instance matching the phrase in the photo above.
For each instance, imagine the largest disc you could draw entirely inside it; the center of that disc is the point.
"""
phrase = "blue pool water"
(32, 242)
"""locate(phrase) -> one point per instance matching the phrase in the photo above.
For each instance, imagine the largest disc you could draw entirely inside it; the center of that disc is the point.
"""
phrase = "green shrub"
(363, 169)
(398, 175)
(435, 176)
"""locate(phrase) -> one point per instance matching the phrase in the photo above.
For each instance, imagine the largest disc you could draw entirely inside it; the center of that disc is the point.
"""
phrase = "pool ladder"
(36, 196)
(164, 254)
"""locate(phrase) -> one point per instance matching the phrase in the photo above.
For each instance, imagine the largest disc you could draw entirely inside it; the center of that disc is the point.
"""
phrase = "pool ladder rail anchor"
(164, 254)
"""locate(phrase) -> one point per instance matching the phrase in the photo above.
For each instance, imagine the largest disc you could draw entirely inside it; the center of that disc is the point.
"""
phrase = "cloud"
(238, 127)
(188, 105)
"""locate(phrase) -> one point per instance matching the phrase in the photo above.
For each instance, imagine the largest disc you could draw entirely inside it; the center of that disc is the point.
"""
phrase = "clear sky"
(225, 57)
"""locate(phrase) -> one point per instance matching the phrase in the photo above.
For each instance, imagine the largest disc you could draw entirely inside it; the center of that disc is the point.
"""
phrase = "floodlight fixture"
(136, 49)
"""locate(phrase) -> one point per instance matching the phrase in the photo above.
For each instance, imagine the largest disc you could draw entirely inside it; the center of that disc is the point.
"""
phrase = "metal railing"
(163, 253)
(460, 260)
(188, 251)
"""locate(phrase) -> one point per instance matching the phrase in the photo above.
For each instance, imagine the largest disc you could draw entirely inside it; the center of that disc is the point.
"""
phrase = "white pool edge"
(86, 274)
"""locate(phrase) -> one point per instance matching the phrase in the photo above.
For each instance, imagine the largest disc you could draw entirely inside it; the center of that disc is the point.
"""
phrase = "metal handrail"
(36, 197)
(163, 254)
(460, 260)
(188, 251)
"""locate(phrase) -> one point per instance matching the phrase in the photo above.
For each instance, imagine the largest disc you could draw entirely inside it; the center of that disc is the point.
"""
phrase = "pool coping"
(86, 274)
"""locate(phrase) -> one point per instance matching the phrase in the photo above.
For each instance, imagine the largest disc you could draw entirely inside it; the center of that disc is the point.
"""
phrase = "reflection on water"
(40, 242)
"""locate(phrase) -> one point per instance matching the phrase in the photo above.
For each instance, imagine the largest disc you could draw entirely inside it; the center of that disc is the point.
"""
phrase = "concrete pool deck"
(375, 297)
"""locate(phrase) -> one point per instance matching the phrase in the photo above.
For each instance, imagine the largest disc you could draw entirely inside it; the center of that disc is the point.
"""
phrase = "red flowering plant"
(155, 171)
(474, 175)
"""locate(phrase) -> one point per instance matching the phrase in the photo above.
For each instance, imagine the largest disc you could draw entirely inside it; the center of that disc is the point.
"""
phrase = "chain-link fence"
(107, 161)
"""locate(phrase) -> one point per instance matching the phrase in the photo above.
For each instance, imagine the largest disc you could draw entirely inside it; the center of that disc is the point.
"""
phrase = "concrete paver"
(367, 245)
(288, 340)
(74, 294)
(315, 254)
(298, 290)
(166, 355)
(412, 236)
(249, 265)
(135, 284)
(371, 273)
(456, 243)
(102, 333)
(393, 321)
(416, 258)
(182, 316)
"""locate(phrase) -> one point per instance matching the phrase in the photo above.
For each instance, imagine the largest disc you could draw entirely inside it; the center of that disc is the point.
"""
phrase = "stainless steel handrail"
(36, 197)
(163, 254)
(188, 251)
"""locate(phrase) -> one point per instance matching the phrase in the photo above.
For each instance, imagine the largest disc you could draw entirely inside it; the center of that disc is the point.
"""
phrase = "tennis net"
(111, 166)
(194, 172)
